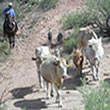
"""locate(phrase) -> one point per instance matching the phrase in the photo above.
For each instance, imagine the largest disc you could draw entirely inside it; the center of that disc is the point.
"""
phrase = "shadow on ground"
(37, 104)
(74, 81)
(21, 92)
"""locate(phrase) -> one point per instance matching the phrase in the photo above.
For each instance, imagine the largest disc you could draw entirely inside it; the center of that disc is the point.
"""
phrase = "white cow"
(53, 70)
(41, 54)
(94, 53)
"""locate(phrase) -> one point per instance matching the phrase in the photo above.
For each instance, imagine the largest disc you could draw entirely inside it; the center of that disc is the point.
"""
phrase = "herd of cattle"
(53, 68)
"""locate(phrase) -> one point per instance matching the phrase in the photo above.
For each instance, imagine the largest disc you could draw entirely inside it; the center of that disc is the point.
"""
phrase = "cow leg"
(97, 71)
(43, 83)
(94, 72)
(51, 92)
(47, 88)
(40, 79)
(58, 99)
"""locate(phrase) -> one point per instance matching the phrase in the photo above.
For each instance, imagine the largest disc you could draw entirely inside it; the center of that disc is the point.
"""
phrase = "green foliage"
(97, 99)
(79, 19)
(4, 107)
(101, 9)
(47, 4)
(32, 4)
(70, 43)
(18, 10)
(95, 12)
(4, 51)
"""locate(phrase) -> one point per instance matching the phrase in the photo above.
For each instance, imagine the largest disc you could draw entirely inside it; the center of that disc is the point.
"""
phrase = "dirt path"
(19, 73)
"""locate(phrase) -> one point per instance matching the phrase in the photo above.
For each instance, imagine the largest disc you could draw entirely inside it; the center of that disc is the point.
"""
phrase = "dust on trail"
(19, 74)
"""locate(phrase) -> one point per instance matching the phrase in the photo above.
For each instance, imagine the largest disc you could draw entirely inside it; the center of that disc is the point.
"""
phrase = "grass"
(96, 98)
(47, 4)
(4, 51)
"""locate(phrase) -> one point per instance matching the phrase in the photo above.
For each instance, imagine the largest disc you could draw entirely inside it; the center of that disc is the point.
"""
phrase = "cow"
(53, 71)
(78, 60)
(84, 34)
(94, 53)
(41, 54)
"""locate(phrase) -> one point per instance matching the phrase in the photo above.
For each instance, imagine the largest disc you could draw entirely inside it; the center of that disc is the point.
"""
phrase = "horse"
(9, 30)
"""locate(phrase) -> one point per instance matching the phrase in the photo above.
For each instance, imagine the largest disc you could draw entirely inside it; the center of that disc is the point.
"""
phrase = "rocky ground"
(18, 77)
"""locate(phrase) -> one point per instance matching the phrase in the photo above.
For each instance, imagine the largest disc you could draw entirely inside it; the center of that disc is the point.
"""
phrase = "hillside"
(19, 74)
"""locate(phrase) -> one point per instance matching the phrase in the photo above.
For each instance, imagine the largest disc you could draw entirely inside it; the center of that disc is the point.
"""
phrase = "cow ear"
(56, 63)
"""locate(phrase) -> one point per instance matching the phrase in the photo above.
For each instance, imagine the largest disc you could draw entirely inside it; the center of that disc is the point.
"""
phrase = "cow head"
(61, 67)
(95, 47)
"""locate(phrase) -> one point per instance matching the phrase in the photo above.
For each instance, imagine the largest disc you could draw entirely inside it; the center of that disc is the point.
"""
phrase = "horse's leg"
(10, 42)
(4, 33)
(13, 41)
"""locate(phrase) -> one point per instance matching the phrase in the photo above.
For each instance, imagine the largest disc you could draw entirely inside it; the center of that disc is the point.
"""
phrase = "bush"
(96, 12)
(97, 99)
(79, 19)
(101, 9)
(70, 43)
(47, 4)
(4, 51)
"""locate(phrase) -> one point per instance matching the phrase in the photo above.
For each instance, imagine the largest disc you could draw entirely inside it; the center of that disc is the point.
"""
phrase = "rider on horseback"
(10, 12)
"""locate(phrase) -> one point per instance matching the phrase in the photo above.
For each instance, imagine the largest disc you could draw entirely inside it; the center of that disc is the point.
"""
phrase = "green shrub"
(101, 9)
(4, 107)
(47, 4)
(4, 51)
(32, 4)
(18, 10)
(95, 12)
(70, 43)
(97, 98)
(79, 19)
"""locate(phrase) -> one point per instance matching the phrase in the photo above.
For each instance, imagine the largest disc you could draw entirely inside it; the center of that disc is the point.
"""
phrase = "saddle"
(9, 25)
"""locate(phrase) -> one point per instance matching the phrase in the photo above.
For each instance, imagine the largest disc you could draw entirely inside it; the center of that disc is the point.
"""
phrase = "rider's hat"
(10, 4)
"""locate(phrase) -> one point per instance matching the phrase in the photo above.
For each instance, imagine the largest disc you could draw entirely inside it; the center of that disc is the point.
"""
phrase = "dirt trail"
(19, 73)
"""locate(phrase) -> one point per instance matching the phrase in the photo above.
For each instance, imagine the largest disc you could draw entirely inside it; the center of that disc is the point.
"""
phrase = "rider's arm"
(14, 15)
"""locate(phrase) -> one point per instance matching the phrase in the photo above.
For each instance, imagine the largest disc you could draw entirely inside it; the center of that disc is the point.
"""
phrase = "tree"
(101, 10)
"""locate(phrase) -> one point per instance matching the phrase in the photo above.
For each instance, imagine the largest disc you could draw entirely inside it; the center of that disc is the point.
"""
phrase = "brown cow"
(78, 60)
